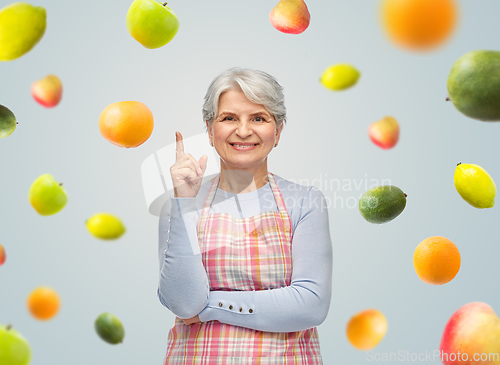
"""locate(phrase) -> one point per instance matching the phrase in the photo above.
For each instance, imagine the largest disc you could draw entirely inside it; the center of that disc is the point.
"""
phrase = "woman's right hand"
(186, 172)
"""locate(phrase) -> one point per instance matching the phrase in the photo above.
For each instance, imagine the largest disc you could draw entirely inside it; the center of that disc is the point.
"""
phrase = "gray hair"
(258, 86)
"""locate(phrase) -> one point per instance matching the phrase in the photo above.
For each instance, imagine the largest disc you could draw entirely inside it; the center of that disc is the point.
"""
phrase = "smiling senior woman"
(245, 258)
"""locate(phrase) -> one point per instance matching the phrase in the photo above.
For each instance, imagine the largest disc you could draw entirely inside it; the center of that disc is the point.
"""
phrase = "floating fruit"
(109, 328)
(7, 122)
(471, 336)
(3, 255)
(126, 123)
(43, 303)
(290, 16)
(474, 85)
(419, 25)
(475, 185)
(436, 260)
(152, 23)
(340, 77)
(14, 348)
(382, 204)
(47, 91)
(366, 329)
(21, 28)
(385, 132)
(47, 196)
(105, 226)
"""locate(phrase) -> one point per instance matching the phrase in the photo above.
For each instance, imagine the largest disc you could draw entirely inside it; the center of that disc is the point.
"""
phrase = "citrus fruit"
(7, 122)
(366, 329)
(14, 348)
(105, 226)
(340, 77)
(43, 303)
(382, 204)
(21, 27)
(474, 85)
(109, 328)
(436, 260)
(126, 123)
(475, 185)
(419, 25)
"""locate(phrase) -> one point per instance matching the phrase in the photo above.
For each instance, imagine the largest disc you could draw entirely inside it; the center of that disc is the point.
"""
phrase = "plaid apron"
(243, 254)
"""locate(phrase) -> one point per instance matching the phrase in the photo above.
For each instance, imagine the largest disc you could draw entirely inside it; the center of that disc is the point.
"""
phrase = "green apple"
(7, 122)
(14, 349)
(46, 195)
(151, 23)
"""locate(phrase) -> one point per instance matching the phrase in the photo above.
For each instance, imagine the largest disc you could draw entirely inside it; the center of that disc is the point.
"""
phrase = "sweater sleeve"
(183, 284)
(305, 302)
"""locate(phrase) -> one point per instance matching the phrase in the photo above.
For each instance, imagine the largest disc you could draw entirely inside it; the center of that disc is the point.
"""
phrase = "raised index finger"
(179, 146)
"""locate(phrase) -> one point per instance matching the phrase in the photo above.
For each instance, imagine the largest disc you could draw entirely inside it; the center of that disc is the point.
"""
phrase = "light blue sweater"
(183, 284)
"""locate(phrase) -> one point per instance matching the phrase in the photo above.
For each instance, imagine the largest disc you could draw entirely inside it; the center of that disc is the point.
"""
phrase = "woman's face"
(242, 122)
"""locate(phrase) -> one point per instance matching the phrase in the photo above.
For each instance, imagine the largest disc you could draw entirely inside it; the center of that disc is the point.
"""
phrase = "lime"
(340, 77)
(105, 226)
(109, 328)
(7, 122)
(475, 185)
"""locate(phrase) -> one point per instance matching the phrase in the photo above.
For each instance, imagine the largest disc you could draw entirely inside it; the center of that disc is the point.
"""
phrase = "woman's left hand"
(192, 320)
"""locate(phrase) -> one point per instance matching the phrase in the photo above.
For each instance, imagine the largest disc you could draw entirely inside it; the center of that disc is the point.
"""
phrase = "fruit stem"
(9, 326)
(458, 163)
(60, 184)
(164, 4)
(448, 98)
(405, 195)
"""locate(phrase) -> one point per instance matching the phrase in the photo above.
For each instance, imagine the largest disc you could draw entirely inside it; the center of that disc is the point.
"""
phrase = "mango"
(474, 85)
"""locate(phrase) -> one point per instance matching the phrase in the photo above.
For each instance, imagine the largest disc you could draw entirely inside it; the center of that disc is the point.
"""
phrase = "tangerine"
(419, 24)
(126, 123)
(43, 303)
(436, 260)
(366, 329)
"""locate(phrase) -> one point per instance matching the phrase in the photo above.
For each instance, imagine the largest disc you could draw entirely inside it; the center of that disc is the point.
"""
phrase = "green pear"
(7, 122)
(46, 195)
(21, 28)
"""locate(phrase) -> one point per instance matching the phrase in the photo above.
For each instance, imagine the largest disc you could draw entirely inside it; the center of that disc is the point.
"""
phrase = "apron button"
(241, 309)
(220, 304)
(250, 310)
(230, 307)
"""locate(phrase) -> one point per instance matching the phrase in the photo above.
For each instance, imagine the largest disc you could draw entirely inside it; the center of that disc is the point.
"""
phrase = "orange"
(126, 123)
(366, 329)
(43, 303)
(419, 24)
(436, 260)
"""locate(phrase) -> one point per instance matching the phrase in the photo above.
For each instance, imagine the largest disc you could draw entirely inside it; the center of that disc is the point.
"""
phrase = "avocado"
(109, 328)
(474, 85)
(382, 204)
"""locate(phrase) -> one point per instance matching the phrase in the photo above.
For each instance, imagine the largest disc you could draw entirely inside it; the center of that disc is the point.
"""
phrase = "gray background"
(87, 45)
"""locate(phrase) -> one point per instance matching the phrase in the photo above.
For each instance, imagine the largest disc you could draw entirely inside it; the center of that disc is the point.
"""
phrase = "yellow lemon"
(21, 28)
(475, 185)
(105, 226)
(340, 77)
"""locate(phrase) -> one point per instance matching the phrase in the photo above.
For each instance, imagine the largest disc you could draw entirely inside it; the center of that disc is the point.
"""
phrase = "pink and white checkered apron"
(243, 254)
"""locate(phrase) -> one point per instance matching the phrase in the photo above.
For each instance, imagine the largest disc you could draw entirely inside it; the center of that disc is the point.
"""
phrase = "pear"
(21, 28)
(47, 196)
(7, 122)
(290, 16)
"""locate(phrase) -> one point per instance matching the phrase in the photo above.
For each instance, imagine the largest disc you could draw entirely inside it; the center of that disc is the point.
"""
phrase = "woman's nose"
(244, 129)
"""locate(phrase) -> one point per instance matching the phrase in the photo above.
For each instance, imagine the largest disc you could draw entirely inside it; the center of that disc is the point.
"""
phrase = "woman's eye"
(259, 119)
(229, 118)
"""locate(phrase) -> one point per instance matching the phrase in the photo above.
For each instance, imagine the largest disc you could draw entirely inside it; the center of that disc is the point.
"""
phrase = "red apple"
(2, 255)
(471, 336)
(385, 132)
(290, 16)
(47, 91)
